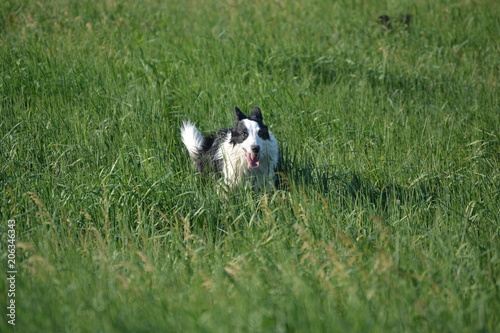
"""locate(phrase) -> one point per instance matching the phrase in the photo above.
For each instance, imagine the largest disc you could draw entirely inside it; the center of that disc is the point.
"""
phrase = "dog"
(248, 151)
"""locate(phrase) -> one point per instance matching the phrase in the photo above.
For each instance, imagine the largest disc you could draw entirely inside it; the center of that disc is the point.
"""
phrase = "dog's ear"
(256, 114)
(238, 115)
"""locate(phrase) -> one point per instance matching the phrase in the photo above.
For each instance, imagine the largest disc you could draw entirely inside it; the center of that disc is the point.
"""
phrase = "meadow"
(387, 213)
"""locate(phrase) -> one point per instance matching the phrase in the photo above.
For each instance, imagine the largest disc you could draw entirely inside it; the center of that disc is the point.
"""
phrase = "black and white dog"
(245, 152)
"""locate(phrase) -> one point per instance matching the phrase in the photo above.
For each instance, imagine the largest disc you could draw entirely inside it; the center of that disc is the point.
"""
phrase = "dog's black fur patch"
(205, 162)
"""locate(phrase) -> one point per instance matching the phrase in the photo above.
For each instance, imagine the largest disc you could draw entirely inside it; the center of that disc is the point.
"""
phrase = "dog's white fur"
(192, 139)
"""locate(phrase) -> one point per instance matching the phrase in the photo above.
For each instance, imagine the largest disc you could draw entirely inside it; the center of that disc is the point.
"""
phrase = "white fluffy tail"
(192, 139)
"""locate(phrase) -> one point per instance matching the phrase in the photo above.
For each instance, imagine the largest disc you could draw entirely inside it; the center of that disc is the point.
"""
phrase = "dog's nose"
(255, 149)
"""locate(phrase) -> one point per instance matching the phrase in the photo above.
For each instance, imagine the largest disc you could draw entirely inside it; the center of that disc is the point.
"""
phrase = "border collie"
(245, 152)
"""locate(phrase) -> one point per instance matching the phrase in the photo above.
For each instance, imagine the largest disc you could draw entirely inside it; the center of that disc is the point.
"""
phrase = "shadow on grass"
(353, 187)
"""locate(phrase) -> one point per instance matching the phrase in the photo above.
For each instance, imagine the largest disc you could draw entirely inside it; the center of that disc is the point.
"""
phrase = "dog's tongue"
(253, 160)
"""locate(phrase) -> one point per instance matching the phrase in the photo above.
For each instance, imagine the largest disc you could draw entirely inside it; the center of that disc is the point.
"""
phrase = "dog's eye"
(245, 134)
(264, 133)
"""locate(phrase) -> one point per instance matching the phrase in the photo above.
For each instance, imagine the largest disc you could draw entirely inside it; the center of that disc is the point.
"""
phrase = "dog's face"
(249, 133)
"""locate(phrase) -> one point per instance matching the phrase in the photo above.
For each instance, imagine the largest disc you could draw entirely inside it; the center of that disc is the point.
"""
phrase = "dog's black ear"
(238, 115)
(256, 114)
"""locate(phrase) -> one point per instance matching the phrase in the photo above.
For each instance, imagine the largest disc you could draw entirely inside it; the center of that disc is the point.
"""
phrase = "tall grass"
(387, 217)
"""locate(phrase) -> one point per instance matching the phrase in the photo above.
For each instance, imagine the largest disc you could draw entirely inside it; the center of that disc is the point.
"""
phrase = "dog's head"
(249, 132)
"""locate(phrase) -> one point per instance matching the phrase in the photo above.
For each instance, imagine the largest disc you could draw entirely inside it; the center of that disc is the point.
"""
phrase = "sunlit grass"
(386, 217)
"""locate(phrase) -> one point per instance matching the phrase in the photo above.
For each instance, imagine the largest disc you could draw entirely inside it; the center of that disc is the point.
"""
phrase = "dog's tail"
(192, 139)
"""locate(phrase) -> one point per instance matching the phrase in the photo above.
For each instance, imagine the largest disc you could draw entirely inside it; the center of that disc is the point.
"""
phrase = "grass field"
(388, 216)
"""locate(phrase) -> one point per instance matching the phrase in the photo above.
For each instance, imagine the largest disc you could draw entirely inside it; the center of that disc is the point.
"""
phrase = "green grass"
(388, 219)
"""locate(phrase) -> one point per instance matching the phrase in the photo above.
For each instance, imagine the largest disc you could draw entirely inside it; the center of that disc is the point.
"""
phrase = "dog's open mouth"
(252, 159)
